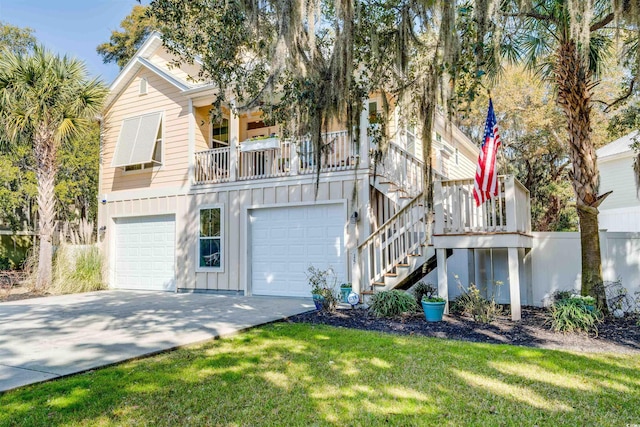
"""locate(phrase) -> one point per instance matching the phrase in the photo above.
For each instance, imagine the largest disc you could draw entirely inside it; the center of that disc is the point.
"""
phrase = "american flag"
(486, 183)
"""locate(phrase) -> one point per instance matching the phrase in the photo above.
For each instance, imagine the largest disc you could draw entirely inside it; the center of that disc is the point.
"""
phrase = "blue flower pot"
(344, 293)
(318, 301)
(433, 311)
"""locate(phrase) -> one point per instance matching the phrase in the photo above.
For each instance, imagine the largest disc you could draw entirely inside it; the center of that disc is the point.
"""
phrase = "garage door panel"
(297, 237)
(145, 253)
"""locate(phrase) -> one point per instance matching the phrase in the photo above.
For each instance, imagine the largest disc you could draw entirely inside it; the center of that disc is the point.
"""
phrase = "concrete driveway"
(46, 338)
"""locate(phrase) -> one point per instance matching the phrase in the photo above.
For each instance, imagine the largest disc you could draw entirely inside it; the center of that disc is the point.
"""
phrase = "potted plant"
(322, 291)
(345, 290)
(432, 304)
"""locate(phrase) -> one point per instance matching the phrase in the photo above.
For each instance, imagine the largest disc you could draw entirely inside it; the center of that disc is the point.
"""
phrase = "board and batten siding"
(236, 199)
(163, 97)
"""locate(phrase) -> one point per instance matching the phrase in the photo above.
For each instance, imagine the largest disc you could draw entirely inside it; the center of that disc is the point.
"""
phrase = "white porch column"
(234, 141)
(443, 285)
(438, 207)
(191, 143)
(294, 159)
(510, 201)
(514, 283)
(364, 135)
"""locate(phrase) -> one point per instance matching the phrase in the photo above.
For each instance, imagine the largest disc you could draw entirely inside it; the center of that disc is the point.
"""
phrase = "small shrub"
(319, 279)
(561, 294)
(471, 303)
(329, 299)
(392, 303)
(77, 270)
(572, 315)
(422, 289)
(323, 283)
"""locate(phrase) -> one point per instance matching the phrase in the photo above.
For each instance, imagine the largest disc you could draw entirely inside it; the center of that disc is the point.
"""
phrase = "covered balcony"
(272, 157)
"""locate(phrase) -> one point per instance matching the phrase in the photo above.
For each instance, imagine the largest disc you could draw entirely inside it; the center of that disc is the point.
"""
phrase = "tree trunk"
(574, 97)
(45, 154)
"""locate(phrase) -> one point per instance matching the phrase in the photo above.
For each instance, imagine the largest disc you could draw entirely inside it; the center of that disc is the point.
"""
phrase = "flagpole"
(504, 157)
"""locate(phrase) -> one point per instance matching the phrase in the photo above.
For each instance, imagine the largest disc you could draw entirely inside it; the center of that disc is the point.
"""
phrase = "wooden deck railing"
(339, 154)
(212, 165)
(390, 245)
(264, 163)
(456, 212)
(403, 169)
(291, 158)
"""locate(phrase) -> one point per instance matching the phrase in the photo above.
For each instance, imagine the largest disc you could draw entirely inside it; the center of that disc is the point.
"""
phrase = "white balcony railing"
(212, 166)
(269, 163)
(456, 212)
(338, 154)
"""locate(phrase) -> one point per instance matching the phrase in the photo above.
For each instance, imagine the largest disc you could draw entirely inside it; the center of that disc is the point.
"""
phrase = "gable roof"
(617, 147)
(139, 60)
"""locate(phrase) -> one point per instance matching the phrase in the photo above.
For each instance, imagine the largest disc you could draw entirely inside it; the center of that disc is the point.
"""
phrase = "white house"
(621, 210)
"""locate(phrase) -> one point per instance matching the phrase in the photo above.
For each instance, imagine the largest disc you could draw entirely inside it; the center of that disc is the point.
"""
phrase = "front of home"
(191, 204)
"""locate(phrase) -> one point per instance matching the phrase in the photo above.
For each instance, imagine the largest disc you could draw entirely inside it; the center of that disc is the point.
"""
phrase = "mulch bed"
(614, 335)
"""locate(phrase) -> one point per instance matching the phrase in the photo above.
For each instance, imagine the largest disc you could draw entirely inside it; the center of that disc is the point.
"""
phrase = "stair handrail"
(393, 242)
(409, 175)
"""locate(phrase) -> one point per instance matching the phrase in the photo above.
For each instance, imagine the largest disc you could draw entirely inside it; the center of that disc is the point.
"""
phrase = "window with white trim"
(210, 248)
(220, 133)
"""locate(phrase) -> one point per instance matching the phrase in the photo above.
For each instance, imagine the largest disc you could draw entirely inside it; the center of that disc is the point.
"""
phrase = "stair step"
(367, 293)
(414, 255)
(378, 284)
(403, 265)
(390, 274)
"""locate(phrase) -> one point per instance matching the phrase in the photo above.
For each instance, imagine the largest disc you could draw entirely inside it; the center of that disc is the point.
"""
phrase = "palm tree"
(44, 100)
(566, 43)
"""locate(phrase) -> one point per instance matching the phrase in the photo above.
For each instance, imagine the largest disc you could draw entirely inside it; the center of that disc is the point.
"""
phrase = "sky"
(71, 27)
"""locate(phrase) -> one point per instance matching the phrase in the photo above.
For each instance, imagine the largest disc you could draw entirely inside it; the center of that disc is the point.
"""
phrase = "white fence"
(555, 261)
(552, 264)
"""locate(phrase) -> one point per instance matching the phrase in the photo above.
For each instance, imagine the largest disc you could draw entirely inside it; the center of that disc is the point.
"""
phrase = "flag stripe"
(486, 181)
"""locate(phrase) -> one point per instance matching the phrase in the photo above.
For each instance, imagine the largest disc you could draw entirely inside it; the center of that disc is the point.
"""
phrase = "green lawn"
(296, 374)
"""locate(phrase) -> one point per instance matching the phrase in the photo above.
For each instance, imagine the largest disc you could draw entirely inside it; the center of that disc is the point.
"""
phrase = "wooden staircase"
(399, 252)
(399, 176)
(398, 249)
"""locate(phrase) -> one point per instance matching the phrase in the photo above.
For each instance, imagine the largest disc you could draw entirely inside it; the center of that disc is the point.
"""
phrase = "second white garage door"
(285, 241)
(145, 253)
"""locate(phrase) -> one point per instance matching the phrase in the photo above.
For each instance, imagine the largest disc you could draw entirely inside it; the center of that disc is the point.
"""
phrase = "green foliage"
(122, 45)
(572, 315)
(392, 303)
(77, 269)
(13, 250)
(77, 178)
(472, 303)
(16, 39)
(320, 279)
(423, 290)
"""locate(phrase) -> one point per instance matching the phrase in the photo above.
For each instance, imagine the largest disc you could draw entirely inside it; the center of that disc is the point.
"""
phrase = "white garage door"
(145, 253)
(285, 241)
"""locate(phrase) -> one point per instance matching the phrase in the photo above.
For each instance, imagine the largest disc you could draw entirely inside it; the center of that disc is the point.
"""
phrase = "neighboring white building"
(621, 210)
